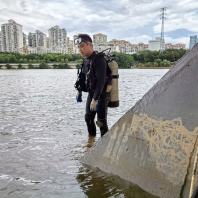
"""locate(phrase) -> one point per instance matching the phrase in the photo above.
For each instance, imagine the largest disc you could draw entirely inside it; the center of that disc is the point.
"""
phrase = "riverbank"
(57, 65)
(151, 67)
(70, 65)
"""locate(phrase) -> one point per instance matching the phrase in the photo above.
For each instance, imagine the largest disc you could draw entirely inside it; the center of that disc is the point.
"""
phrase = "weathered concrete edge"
(181, 65)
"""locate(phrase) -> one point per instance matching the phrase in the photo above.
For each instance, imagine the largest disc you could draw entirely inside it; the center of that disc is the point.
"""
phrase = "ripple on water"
(43, 134)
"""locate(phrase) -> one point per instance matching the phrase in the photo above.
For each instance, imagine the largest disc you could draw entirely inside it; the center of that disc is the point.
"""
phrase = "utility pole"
(162, 41)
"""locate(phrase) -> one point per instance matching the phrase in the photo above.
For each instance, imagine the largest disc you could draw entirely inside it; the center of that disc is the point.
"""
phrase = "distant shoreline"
(151, 68)
(70, 65)
(55, 65)
(24, 68)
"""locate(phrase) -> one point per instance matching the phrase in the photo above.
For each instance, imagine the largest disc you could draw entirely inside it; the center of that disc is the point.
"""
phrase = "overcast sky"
(132, 20)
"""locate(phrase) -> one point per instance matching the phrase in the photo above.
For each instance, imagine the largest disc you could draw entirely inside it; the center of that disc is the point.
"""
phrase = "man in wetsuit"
(98, 83)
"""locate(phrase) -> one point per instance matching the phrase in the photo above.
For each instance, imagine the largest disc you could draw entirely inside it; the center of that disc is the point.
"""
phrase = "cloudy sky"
(132, 20)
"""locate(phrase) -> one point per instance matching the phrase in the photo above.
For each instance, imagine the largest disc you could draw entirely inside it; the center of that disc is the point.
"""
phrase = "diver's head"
(84, 43)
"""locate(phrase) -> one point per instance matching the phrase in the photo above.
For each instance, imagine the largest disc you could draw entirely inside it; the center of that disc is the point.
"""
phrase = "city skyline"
(135, 21)
(71, 38)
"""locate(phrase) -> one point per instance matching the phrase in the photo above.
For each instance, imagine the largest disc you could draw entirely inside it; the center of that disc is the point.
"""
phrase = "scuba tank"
(114, 93)
(113, 66)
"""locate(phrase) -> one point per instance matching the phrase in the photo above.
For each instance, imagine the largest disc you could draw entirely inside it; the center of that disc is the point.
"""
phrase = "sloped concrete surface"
(154, 145)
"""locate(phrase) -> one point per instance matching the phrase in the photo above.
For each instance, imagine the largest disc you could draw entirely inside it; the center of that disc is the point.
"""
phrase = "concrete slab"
(154, 145)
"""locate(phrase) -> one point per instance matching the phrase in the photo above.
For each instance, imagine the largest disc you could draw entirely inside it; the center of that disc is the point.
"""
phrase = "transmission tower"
(162, 41)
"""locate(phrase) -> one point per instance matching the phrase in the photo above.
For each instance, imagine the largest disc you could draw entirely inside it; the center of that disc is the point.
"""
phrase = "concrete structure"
(155, 144)
(99, 39)
(193, 41)
(12, 36)
(57, 37)
(154, 45)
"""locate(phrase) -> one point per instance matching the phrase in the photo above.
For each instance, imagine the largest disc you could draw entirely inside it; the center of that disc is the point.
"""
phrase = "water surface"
(42, 135)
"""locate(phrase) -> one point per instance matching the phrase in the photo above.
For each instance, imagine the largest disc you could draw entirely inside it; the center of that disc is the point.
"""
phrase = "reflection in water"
(95, 183)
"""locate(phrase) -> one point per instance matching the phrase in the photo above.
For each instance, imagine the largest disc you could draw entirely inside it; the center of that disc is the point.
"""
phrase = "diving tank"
(114, 94)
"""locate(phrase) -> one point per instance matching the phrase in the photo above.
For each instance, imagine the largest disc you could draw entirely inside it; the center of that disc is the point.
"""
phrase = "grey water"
(43, 135)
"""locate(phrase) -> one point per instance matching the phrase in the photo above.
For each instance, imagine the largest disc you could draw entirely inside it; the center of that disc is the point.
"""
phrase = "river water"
(43, 134)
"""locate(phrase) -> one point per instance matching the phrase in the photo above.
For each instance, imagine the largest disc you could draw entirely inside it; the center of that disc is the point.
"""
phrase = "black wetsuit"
(98, 77)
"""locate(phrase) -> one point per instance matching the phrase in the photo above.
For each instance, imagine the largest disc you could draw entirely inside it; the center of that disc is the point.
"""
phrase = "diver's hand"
(109, 88)
(79, 96)
(93, 105)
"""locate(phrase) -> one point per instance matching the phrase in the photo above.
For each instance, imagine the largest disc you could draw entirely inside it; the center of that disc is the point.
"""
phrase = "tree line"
(141, 59)
(149, 58)
(35, 66)
(6, 57)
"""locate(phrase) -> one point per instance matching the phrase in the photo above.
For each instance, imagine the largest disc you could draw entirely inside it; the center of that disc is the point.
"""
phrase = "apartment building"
(57, 37)
(12, 36)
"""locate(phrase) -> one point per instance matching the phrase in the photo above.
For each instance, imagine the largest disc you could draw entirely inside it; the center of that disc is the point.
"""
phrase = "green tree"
(124, 60)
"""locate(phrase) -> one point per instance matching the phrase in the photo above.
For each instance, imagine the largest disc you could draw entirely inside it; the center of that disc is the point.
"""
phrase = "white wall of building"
(12, 37)
(57, 37)
(24, 40)
(1, 42)
(154, 45)
(37, 39)
(99, 39)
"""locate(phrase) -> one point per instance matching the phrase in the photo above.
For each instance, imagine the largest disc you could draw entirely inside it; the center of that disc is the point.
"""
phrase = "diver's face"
(85, 48)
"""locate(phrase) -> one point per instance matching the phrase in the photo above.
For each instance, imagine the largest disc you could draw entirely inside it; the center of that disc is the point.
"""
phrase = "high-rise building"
(37, 39)
(193, 41)
(99, 39)
(32, 42)
(120, 46)
(25, 46)
(12, 36)
(75, 50)
(47, 42)
(57, 37)
(41, 39)
(0, 42)
(24, 40)
(71, 48)
(154, 45)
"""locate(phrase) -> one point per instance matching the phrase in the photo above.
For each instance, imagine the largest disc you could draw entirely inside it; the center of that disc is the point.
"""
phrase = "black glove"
(79, 96)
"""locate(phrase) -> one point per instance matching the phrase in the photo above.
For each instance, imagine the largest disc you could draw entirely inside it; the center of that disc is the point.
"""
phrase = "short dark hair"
(85, 37)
